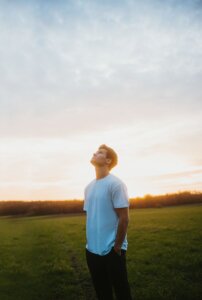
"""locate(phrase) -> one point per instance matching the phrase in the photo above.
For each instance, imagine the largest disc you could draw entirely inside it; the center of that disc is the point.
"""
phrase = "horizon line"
(130, 198)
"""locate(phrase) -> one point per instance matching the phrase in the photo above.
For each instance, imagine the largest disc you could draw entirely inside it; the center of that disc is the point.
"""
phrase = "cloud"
(52, 60)
(78, 69)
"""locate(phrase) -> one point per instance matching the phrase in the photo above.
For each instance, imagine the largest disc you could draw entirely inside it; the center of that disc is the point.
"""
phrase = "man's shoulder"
(116, 181)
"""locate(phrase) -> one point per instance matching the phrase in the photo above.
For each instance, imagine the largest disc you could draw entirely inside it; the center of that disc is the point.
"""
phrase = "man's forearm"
(121, 233)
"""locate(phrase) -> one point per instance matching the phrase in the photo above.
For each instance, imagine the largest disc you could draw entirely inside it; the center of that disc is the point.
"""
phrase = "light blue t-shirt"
(101, 196)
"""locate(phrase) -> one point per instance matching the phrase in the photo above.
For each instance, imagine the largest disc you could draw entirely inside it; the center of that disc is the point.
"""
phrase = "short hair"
(111, 154)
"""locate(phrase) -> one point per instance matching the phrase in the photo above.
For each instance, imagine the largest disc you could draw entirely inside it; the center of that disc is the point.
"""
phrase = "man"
(106, 204)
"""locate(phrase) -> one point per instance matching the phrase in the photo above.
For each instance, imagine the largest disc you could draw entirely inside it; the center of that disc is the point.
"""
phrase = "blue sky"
(76, 74)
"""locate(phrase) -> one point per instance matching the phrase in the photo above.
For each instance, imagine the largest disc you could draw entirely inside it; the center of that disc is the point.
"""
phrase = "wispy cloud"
(75, 69)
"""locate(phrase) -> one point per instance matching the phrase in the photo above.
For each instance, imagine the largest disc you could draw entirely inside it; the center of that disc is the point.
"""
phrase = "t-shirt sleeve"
(120, 196)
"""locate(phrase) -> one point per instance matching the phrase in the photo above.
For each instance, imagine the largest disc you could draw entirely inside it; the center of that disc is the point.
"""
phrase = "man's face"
(99, 158)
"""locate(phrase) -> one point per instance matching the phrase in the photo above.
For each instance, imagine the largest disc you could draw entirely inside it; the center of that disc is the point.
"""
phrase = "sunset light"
(75, 75)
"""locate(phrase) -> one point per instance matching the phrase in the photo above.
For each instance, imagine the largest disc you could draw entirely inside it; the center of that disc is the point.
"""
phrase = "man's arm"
(123, 215)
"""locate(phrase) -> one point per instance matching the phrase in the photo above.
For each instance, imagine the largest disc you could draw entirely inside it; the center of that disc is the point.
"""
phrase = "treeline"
(36, 208)
(48, 207)
(166, 200)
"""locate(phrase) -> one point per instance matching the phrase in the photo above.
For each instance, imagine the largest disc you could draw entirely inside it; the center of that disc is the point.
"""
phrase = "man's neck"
(101, 172)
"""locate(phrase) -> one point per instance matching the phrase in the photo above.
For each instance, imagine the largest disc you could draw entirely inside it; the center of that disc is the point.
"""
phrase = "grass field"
(44, 257)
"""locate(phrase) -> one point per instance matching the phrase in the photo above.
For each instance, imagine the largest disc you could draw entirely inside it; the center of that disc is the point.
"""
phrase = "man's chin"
(92, 162)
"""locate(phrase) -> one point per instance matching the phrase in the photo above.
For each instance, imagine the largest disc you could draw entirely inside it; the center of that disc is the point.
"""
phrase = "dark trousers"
(109, 272)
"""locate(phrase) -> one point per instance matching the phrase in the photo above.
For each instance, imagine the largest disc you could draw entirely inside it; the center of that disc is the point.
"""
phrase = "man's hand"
(117, 250)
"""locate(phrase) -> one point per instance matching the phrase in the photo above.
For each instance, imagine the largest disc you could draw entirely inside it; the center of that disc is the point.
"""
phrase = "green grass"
(44, 257)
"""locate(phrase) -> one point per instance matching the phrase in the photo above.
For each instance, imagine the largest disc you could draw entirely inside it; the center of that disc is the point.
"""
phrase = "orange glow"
(60, 169)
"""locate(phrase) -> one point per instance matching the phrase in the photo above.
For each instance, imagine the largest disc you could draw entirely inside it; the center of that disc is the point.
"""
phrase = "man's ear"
(109, 161)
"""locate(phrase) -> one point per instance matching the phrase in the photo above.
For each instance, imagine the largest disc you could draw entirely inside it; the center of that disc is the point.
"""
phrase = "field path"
(82, 281)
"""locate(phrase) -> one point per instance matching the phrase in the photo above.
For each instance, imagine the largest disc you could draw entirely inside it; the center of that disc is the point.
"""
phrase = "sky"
(78, 74)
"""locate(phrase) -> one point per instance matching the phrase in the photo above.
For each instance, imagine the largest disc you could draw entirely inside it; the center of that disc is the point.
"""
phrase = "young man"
(106, 204)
